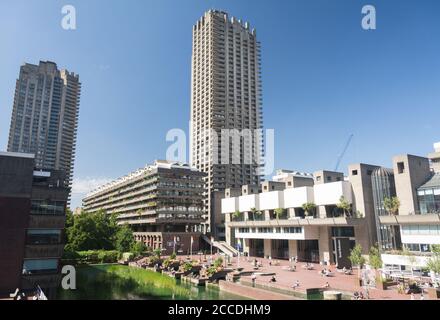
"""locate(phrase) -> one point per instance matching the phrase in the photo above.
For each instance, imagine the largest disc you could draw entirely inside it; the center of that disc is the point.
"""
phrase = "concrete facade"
(225, 95)
(45, 116)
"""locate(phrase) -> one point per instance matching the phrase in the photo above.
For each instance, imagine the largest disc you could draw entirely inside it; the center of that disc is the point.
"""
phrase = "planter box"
(382, 285)
(434, 293)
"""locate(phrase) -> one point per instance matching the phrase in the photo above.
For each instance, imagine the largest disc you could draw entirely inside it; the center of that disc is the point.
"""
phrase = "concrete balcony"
(296, 197)
(230, 205)
(331, 193)
(44, 251)
(246, 203)
(47, 221)
(410, 219)
(271, 200)
(42, 280)
(339, 221)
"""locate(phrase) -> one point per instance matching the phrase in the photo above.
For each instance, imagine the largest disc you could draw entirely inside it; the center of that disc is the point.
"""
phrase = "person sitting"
(326, 285)
(273, 279)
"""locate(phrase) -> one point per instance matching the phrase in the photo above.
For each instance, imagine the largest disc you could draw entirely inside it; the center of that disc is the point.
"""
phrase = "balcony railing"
(44, 251)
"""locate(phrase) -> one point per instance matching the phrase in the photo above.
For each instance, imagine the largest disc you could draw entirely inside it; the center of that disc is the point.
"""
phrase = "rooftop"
(165, 164)
(433, 182)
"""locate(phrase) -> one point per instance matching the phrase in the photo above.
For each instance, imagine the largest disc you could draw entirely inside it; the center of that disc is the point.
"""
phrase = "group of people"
(325, 272)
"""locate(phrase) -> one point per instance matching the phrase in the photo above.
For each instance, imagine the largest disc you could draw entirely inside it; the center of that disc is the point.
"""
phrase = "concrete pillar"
(246, 216)
(291, 213)
(245, 243)
(293, 248)
(266, 215)
(321, 213)
(324, 245)
(267, 248)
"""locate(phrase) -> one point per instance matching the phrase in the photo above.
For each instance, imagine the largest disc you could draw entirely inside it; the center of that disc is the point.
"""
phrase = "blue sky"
(324, 77)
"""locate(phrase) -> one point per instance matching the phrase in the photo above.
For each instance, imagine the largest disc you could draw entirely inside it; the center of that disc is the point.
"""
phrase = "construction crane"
(347, 144)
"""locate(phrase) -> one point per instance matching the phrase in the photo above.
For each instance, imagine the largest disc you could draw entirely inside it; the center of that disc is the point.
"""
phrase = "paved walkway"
(312, 279)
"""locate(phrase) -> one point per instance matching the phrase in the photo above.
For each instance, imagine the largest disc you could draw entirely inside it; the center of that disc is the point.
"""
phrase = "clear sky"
(324, 77)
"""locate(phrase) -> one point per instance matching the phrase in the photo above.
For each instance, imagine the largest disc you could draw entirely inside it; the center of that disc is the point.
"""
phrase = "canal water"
(109, 282)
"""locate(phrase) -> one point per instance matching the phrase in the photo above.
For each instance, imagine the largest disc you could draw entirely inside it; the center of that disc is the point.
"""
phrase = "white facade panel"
(246, 203)
(421, 239)
(271, 200)
(401, 260)
(330, 193)
(296, 197)
(229, 205)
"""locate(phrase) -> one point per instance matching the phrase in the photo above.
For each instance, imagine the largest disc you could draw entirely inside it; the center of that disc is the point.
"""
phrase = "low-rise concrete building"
(273, 223)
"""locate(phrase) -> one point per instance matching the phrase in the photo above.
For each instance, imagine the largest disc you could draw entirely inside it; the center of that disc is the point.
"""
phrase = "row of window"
(417, 247)
(48, 207)
(421, 230)
(40, 266)
(271, 230)
(43, 236)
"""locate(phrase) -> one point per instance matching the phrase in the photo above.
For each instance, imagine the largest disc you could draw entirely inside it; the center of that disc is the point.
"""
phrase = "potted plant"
(309, 209)
(236, 215)
(279, 212)
(344, 205)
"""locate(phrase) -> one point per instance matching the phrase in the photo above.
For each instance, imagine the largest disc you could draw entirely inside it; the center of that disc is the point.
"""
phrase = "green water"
(108, 282)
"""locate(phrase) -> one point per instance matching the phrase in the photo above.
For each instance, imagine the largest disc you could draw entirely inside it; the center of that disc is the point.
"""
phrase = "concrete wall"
(410, 172)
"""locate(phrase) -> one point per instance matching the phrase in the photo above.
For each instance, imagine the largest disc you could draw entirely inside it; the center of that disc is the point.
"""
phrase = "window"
(354, 172)
(400, 167)
(329, 178)
(48, 207)
(40, 266)
(369, 172)
(43, 236)
(318, 178)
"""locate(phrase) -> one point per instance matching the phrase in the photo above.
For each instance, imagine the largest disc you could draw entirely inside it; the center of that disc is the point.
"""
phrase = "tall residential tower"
(45, 116)
(225, 96)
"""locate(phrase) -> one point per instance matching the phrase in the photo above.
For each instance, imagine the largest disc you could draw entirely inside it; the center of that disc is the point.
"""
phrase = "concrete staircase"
(222, 246)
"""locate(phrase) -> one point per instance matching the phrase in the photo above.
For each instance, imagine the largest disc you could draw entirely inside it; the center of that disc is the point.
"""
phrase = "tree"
(433, 263)
(308, 208)
(411, 258)
(92, 231)
(236, 214)
(356, 258)
(138, 248)
(391, 205)
(344, 205)
(255, 212)
(279, 212)
(157, 252)
(375, 259)
(124, 239)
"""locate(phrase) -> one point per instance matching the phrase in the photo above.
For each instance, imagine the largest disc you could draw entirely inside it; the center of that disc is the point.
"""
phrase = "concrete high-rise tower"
(225, 96)
(45, 116)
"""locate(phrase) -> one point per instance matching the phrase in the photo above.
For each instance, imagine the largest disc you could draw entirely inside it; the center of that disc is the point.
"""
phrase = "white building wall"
(330, 193)
(296, 197)
(229, 205)
(271, 200)
(246, 203)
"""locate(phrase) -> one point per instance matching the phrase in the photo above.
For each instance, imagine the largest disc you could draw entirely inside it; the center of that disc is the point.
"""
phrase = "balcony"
(44, 281)
(47, 221)
(410, 219)
(44, 251)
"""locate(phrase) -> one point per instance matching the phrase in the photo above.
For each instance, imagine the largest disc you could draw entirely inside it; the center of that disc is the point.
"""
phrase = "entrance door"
(341, 252)
(308, 251)
(256, 248)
